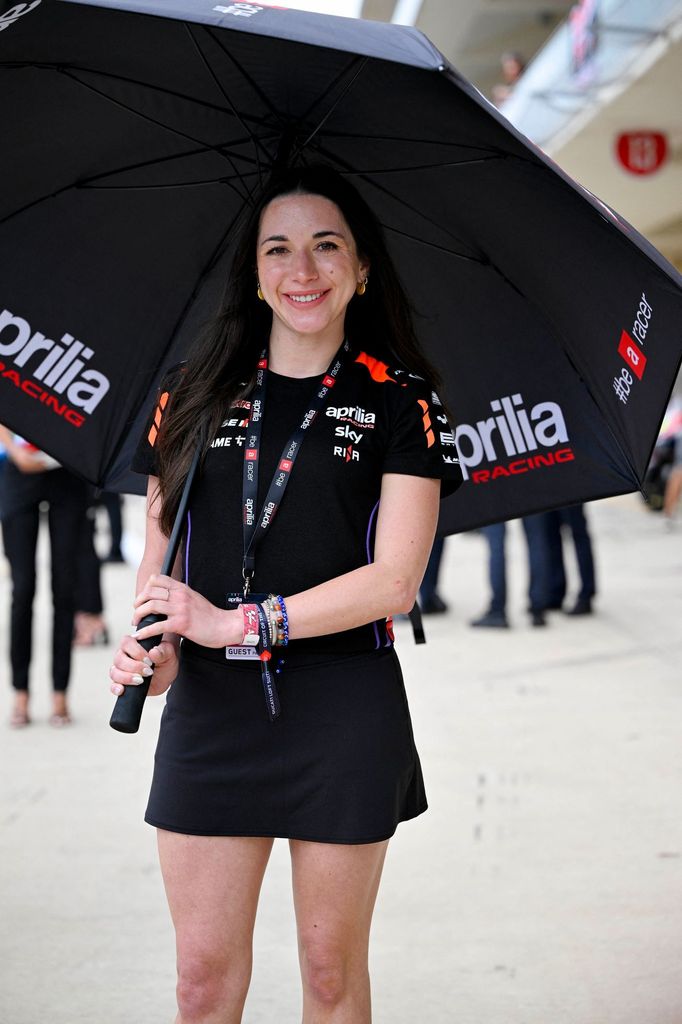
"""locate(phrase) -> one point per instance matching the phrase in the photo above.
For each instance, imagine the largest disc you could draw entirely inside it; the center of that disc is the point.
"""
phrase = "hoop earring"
(361, 287)
(259, 293)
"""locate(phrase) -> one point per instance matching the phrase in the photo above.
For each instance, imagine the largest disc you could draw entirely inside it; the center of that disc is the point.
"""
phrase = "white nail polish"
(138, 679)
(149, 662)
(146, 671)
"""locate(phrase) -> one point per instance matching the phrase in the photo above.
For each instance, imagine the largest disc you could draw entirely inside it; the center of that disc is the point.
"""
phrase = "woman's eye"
(327, 246)
(276, 250)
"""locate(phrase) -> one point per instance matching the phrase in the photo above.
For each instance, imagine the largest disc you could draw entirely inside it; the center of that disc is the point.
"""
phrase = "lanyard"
(255, 527)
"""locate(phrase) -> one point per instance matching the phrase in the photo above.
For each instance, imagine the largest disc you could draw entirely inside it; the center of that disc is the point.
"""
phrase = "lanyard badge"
(257, 524)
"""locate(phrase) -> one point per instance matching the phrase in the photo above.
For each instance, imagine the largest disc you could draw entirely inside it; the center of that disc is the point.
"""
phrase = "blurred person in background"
(31, 478)
(673, 487)
(430, 601)
(569, 520)
(113, 503)
(496, 536)
(513, 65)
(89, 625)
(670, 440)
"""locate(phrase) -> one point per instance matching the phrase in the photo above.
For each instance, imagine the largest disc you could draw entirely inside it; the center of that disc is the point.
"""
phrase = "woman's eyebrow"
(318, 234)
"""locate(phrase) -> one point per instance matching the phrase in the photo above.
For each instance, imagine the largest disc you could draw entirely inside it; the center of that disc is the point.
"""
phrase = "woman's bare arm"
(406, 524)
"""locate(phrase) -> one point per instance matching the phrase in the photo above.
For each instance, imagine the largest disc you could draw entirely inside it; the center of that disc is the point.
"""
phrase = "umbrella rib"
(482, 260)
(408, 206)
(247, 78)
(332, 85)
(410, 140)
(131, 110)
(160, 188)
(349, 84)
(426, 167)
(254, 138)
(45, 66)
(157, 161)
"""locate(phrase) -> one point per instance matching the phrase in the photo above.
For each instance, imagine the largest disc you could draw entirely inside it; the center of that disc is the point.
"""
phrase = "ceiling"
(473, 34)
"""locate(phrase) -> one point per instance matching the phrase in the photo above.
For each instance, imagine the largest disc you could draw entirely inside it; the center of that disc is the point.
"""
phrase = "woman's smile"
(306, 298)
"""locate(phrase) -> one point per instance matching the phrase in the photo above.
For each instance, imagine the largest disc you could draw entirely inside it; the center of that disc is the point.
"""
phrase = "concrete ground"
(542, 887)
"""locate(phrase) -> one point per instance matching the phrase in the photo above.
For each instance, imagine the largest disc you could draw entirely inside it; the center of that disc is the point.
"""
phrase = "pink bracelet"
(251, 629)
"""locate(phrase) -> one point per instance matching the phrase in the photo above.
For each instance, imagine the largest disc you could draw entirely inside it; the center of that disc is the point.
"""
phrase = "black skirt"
(338, 766)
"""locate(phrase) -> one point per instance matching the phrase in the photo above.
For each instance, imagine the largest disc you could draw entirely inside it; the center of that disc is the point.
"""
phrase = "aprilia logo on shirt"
(353, 414)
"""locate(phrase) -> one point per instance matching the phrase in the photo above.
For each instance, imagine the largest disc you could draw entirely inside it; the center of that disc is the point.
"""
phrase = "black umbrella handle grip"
(128, 707)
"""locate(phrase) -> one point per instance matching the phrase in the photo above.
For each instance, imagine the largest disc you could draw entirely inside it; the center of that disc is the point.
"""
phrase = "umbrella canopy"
(136, 132)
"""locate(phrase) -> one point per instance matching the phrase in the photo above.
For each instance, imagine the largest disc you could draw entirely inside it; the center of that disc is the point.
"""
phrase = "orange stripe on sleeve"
(426, 420)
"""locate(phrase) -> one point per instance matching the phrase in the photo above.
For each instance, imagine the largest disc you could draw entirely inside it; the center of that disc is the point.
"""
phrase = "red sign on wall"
(642, 152)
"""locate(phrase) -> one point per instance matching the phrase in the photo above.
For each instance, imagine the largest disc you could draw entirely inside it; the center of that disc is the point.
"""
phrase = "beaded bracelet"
(285, 620)
(279, 620)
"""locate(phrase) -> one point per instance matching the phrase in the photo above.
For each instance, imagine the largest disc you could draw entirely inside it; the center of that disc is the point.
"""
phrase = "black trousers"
(66, 496)
(88, 567)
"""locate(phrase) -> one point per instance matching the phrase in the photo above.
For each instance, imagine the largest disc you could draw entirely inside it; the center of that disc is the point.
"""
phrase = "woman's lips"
(304, 300)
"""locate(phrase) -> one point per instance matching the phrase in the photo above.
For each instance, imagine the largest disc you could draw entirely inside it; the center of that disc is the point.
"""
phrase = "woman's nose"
(305, 268)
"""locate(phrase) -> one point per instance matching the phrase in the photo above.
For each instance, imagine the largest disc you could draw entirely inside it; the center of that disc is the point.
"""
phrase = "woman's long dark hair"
(222, 364)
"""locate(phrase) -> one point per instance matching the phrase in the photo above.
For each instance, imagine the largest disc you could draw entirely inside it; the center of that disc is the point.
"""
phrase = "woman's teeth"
(306, 298)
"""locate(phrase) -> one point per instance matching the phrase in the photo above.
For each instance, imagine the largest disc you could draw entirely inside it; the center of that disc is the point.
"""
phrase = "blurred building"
(601, 92)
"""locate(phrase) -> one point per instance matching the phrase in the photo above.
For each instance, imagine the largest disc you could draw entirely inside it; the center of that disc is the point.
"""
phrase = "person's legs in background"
(20, 536)
(90, 627)
(430, 601)
(536, 538)
(68, 502)
(576, 520)
(113, 503)
(673, 486)
(496, 615)
(556, 573)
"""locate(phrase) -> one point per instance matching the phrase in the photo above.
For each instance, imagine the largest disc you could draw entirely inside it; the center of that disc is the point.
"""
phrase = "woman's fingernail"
(146, 671)
(138, 679)
(134, 633)
(148, 661)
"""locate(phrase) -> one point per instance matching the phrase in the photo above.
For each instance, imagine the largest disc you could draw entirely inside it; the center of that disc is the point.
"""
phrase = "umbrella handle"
(128, 707)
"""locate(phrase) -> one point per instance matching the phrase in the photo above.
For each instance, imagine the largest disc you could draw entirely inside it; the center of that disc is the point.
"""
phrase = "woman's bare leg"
(335, 889)
(212, 886)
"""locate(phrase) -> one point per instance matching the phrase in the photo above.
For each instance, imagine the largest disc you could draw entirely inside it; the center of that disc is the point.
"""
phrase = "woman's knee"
(209, 983)
(326, 967)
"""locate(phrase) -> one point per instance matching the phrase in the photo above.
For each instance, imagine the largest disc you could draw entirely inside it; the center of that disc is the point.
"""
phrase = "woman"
(31, 478)
(350, 431)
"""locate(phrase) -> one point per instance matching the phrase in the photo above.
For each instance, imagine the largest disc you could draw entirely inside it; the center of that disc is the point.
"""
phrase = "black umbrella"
(134, 133)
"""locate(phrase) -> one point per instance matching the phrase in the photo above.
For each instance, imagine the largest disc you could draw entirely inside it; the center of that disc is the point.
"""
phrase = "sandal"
(19, 719)
(89, 630)
(60, 720)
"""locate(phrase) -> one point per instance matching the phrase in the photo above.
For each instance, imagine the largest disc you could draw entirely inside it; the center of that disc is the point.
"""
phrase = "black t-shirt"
(377, 420)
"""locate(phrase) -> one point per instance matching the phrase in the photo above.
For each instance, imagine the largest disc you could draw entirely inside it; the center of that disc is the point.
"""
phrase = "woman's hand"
(186, 613)
(132, 665)
(25, 460)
